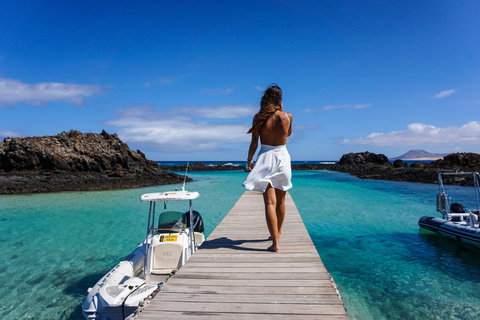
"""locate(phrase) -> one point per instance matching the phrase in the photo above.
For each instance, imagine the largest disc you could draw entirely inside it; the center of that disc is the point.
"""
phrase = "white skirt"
(272, 167)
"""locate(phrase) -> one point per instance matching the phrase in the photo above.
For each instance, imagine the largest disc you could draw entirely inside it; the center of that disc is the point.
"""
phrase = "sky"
(181, 80)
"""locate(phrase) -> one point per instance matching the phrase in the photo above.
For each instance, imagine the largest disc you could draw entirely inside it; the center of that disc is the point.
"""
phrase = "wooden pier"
(233, 276)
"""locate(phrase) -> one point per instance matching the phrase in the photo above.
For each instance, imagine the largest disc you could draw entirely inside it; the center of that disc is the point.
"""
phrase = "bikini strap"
(288, 118)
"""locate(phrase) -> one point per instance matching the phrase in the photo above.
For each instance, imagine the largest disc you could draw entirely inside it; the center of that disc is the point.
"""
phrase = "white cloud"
(348, 106)
(224, 91)
(173, 131)
(219, 112)
(14, 91)
(9, 134)
(259, 88)
(423, 134)
(443, 94)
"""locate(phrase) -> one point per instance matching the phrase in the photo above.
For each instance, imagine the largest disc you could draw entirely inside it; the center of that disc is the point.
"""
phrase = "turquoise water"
(54, 246)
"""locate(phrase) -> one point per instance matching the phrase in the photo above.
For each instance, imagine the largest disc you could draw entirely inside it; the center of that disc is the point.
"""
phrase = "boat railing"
(444, 201)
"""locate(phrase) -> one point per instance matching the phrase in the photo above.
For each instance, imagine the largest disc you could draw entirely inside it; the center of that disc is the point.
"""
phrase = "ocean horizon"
(235, 163)
(243, 163)
(57, 245)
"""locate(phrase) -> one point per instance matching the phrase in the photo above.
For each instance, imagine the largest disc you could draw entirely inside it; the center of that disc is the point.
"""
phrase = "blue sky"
(181, 80)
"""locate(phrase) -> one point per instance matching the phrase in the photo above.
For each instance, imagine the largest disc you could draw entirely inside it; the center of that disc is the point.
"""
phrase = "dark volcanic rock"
(75, 161)
(72, 151)
(417, 164)
(462, 160)
(399, 164)
(364, 158)
(368, 165)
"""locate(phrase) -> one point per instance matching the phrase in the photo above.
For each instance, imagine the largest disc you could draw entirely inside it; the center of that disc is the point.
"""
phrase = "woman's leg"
(270, 200)
(280, 209)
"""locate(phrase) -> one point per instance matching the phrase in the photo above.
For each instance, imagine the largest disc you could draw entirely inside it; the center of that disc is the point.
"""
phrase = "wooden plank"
(309, 299)
(233, 275)
(262, 250)
(249, 283)
(254, 276)
(187, 315)
(257, 257)
(259, 264)
(271, 290)
(279, 308)
(312, 269)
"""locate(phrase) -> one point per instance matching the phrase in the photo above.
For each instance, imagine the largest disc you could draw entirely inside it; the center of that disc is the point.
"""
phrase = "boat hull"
(172, 237)
(459, 231)
(117, 294)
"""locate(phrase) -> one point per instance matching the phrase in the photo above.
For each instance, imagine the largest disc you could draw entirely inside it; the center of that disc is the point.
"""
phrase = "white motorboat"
(170, 241)
(456, 222)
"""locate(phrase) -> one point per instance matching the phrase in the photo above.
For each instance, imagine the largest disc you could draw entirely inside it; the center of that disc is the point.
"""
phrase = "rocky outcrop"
(366, 165)
(364, 158)
(459, 161)
(75, 161)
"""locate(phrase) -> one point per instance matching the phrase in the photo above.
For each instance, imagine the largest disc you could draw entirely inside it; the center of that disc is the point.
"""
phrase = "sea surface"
(233, 163)
(55, 246)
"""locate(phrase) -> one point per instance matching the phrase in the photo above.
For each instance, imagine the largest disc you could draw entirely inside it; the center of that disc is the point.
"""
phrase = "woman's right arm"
(252, 150)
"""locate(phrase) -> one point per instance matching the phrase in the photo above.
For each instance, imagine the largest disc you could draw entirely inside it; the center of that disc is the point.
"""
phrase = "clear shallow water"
(54, 246)
(386, 268)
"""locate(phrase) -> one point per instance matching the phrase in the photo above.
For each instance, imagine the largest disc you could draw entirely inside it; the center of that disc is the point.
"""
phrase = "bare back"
(276, 130)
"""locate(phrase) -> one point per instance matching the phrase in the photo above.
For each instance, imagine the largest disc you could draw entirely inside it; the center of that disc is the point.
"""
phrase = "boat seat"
(166, 257)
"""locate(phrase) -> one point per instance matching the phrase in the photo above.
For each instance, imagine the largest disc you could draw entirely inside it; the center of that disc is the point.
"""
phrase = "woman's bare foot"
(273, 248)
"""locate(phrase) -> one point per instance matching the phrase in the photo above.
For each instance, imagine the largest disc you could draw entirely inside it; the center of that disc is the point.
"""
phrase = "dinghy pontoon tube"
(456, 222)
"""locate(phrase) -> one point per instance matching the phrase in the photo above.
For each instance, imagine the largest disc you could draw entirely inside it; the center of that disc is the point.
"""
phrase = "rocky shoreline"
(47, 182)
(367, 165)
(74, 161)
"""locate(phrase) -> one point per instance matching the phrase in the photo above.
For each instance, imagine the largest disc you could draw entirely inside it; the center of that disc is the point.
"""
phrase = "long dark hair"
(270, 103)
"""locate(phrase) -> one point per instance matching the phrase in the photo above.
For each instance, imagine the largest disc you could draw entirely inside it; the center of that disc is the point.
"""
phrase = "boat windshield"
(171, 220)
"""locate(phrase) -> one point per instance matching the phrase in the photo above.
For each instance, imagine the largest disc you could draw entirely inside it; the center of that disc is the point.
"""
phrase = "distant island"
(75, 161)
(420, 155)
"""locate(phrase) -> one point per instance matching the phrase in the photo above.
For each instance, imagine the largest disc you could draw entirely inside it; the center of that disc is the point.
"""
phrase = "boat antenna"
(185, 178)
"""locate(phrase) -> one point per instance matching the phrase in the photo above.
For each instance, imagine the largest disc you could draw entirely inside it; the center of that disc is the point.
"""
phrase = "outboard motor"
(197, 221)
(457, 208)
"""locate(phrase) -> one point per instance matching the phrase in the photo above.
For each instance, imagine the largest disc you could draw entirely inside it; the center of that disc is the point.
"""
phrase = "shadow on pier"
(225, 242)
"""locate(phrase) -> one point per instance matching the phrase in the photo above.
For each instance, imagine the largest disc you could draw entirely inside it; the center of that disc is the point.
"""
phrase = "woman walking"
(272, 173)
